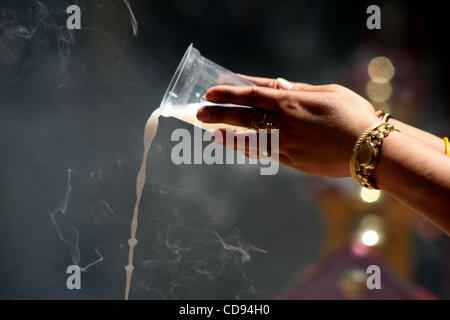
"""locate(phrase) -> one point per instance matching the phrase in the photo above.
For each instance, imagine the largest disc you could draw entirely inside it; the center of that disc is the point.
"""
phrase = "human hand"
(318, 125)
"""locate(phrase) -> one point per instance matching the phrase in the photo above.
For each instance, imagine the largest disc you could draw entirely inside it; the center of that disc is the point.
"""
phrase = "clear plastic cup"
(194, 76)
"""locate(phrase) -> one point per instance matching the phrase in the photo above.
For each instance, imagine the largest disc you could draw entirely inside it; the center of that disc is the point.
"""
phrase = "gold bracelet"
(362, 165)
(386, 117)
(447, 147)
(380, 113)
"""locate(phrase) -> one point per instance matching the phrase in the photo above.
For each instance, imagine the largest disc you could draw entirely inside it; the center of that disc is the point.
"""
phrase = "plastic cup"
(194, 76)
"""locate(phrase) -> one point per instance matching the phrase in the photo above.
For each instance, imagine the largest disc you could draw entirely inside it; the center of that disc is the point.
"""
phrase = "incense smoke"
(64, 220)
(133, 20)
(185, 250)
(25, 37)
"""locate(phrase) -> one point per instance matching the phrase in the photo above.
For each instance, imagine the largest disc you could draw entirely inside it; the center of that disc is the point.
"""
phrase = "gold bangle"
(372, 138)
(384, 117)
(447, 147)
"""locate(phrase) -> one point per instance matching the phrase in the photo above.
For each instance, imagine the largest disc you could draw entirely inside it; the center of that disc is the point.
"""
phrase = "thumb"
(283, 84)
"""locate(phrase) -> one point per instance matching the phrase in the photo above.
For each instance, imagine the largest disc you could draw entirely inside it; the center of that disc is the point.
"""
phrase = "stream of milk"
(188, 114)
(149, 134)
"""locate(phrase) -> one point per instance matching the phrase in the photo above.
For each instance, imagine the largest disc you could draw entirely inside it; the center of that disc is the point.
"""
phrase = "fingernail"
(284, 84)
(203, 114)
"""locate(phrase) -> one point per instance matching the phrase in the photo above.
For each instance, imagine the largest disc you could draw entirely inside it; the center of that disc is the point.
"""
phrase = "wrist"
(383, 172)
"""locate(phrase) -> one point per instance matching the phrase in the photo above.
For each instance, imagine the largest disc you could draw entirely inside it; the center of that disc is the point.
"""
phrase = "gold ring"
(263, 124)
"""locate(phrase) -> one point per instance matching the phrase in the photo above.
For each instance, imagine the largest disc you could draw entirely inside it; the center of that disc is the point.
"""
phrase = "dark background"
(79, 100)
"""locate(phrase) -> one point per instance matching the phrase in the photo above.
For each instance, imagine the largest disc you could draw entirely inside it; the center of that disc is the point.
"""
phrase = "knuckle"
(253, 95)
(272, 83)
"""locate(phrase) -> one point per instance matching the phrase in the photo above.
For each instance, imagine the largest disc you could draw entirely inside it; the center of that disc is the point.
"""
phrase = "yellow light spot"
(381, 70)
(370, 196)
(370, 238)
(379, 92)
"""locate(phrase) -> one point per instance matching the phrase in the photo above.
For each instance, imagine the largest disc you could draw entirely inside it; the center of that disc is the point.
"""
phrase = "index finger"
(258, 97)
(276, 83)
(261, 82)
